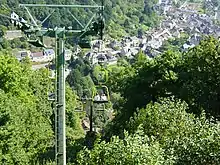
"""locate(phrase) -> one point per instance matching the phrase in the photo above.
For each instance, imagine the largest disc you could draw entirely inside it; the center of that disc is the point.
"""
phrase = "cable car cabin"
(101, 95)
(84, 44)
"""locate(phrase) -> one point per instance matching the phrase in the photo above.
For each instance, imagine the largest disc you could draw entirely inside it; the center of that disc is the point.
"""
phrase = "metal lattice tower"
(59, 34)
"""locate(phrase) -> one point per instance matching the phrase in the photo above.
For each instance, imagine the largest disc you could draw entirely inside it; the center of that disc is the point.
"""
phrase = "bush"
(185, 138)
(133, 149)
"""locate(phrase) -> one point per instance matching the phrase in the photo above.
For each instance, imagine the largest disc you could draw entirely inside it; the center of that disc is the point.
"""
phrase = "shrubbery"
(163, 133)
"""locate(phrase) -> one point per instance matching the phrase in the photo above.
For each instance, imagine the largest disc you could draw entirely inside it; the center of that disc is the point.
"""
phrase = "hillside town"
(186, 21)
(177, 23)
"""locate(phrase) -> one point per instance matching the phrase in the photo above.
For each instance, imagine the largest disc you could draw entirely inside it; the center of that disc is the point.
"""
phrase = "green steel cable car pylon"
(59, 34)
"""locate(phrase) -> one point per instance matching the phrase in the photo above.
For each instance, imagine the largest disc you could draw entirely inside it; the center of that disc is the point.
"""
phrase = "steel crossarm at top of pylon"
(83, 27)
(61, 6)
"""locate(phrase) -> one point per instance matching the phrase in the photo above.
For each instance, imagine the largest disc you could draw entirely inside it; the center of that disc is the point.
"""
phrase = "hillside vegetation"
(169, 107)
(122, 17)
(165, 109)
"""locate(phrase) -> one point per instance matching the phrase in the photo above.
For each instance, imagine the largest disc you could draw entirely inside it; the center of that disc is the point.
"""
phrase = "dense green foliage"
(80, 78)
(122, 17)
(133, 149)
(166, 109)
(191, 76)
(160, 129)
(164, 133)
(183, 138)
(26, 116)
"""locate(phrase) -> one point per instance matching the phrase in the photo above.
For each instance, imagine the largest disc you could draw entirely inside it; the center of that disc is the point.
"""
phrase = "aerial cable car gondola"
(101, 94)
(96, 28)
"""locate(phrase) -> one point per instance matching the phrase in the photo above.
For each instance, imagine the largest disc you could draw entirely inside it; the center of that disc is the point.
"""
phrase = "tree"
(186, 139)
(161, 133)
(191, 77)
(25, 133)
(26, 115)
(133, 149)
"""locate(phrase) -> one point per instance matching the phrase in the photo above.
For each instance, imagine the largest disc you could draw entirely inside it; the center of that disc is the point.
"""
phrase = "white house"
(155, 44)
(38, 57)
(22, 54)
(49, 54)
(126, 51)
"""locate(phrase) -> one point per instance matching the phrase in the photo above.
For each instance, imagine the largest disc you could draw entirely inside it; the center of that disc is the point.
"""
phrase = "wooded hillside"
(122, 16)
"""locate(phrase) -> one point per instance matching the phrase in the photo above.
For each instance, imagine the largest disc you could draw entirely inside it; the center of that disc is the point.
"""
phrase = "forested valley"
(163, 110)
